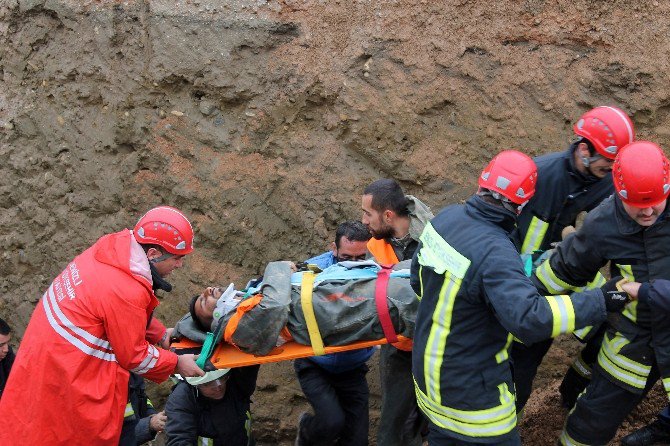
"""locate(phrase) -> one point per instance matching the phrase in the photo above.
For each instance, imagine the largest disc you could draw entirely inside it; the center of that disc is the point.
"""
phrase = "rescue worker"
(395, 221)
(212, 410)
(6, 354)
(631, 230)
(475, 296)
(69, 383)
(141, 422)
(568, 183)
(335, 384)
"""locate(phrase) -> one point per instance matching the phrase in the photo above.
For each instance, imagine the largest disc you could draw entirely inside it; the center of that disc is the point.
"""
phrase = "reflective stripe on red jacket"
(70, 380)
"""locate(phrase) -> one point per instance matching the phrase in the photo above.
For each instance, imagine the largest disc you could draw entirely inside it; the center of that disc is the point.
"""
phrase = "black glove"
(615, 299)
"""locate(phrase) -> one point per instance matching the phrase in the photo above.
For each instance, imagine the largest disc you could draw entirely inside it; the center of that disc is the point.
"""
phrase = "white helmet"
(209, 377)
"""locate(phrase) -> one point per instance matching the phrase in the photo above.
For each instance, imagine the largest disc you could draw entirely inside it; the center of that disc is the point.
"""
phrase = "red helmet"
(608, 129)
(641, 174)
(166, 227)
(512, 174)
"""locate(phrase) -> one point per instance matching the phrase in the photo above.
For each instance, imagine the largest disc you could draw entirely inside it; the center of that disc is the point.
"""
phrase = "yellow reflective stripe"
(626, 272)
(439, 255)
(535, 235)
(437, 338)
(597, 282)
(308, 310)
(247, 424)
(581, 367)
(566, 440)
(503, 354)
(563, 314)
(129, 412)
(618, 366)
(550, 281)
(630, 310)
(583, 332)
(204, 441)
(491, 422)
(149, 403)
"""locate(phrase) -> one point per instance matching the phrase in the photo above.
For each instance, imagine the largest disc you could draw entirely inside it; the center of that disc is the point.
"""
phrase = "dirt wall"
(263, 120)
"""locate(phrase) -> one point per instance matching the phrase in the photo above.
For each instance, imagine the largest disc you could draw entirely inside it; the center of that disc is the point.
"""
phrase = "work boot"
(299, 439)
(654, 433)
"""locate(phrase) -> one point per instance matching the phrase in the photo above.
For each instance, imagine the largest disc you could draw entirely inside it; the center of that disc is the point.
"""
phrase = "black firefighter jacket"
(195, 419)
(562, 192)
(474, 297)
(632, 341)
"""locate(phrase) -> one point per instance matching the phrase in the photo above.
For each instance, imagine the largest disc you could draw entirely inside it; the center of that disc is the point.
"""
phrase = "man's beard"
(384, 233)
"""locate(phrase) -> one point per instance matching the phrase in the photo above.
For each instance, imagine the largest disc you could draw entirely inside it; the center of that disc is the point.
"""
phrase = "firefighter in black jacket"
(568, 183)
(212, 410)
(631, 230)
(474, 297)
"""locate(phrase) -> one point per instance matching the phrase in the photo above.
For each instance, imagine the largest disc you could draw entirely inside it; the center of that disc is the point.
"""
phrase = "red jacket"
(69, 382)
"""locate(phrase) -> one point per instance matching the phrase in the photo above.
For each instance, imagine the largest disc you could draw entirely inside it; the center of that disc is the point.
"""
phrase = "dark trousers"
(340, 403)
(400, 421)
(437, 437)
(601, 409)
(527, 358)
(525, 361)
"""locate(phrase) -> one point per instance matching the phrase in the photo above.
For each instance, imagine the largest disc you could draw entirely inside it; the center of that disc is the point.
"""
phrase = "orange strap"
(245, 306)
(382, 251)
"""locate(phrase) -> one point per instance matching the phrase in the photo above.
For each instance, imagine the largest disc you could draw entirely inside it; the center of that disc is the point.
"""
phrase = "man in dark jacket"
(141, 422)
(6, 354)
(335, 385)
(631, 230)
(213, 409)
(568, 183)
(475, 296)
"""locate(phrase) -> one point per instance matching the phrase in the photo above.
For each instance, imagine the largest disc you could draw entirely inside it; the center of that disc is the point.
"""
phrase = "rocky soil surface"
(263, 121)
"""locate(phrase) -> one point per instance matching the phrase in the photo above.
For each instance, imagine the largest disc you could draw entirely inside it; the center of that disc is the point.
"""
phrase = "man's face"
(166, 266)
(216, 389)
(206, 303)
(350, 250)
(374, 220)
(645, 216)
(4, 345)
(601, 167)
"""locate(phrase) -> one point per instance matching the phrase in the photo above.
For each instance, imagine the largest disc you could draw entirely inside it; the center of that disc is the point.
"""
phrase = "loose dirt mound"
(263, 120)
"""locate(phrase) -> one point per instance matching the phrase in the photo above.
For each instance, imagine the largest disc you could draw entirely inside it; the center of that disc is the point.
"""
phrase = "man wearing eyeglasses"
(335, 385)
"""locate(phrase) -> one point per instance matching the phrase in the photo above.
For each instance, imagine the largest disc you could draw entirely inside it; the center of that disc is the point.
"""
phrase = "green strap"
(209, 345)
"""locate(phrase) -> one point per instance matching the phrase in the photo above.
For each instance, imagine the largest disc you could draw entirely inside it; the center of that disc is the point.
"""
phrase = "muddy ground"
(263, 120)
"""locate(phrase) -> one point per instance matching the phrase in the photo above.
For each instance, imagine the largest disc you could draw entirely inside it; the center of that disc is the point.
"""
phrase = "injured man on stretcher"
(342, 301)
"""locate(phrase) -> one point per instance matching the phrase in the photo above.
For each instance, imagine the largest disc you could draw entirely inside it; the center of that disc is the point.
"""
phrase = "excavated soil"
(263, 121)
